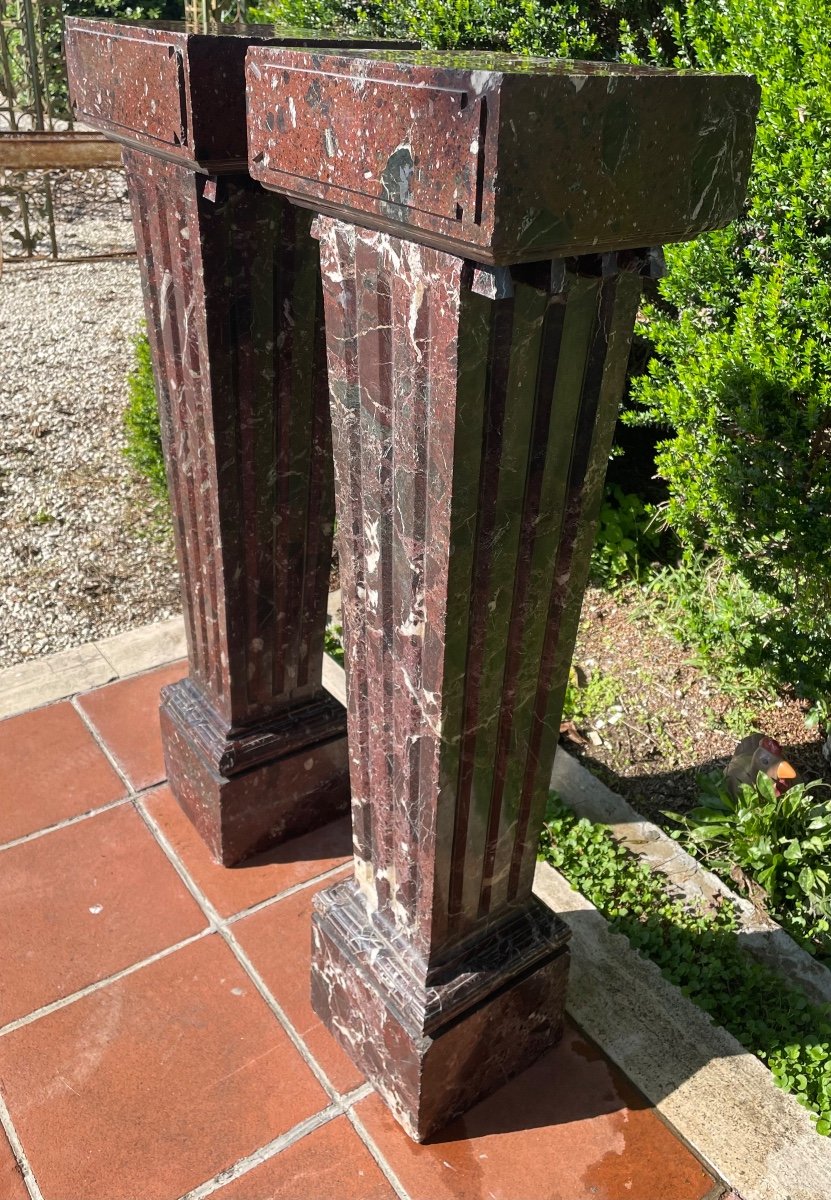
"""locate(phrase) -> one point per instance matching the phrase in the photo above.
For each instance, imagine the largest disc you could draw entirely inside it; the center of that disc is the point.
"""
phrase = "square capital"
(171, 89)
(497, 158)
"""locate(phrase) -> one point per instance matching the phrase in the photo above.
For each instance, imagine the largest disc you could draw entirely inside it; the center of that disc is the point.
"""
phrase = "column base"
(247, 792)
(432, 1048)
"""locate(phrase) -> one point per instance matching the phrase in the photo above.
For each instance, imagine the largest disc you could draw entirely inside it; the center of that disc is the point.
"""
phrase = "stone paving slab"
(34, 683)
(158, 1043)
(56, 676)
(720, 1099)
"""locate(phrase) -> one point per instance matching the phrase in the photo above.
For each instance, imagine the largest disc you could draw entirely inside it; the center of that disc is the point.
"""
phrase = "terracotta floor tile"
(278, 941)
(126, 715)
(569, 1128)
(12, 1186)
(151, 1085)
(50, 769)
(330, 1164)
(232, 889)
(82, 903)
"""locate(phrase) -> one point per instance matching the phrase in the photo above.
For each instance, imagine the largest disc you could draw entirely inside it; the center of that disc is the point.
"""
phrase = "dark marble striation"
(473, 408)
(255, 748)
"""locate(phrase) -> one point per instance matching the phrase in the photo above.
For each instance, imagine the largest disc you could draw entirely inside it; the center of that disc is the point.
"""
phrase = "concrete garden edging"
(761, 936)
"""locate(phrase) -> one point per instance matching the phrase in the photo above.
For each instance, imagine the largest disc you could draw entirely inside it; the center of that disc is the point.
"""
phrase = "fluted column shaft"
(255, 748)
(473, 410)
(481, 274)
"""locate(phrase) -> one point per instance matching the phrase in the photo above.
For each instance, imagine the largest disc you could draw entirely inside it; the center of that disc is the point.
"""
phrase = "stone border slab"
(715, 1094)
(760, 936)
(56, 676)
(45, 680)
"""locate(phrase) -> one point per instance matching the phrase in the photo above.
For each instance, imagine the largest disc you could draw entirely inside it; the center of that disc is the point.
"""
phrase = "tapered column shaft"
(472, 409)
(472, 413)
(230, 278)
(471, 436)
(232, 290)
(255, 748)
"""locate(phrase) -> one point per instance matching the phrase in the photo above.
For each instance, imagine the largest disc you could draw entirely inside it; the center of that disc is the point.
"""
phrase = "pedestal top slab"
(166, 87)
(498, 158)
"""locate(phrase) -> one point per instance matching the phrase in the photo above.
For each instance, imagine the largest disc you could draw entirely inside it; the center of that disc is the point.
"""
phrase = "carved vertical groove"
(337, 264)
(234, 309)
(471, 435)
(612, 307)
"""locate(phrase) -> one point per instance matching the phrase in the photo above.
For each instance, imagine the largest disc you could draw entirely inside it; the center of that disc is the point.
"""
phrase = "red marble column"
(255, 748)
(477, 354)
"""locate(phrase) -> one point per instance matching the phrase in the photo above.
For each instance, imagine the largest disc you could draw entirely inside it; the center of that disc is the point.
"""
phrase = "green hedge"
(742, 376)
(583, 29)
(740, 382)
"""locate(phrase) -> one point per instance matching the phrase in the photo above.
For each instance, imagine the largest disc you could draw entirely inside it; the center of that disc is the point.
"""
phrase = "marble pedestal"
(482, 262)
(254, 746)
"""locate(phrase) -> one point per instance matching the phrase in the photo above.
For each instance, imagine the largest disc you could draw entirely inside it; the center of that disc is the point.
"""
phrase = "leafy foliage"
(580, 29)
(711, 608)
(741, 379)
(594, 700)
(697, 950)
(333, 642)
(143, 448)
(781, 843)
(742, 376)
(628, 541)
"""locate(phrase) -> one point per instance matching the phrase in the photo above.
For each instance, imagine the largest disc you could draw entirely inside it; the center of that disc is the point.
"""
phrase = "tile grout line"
(215, 925)
(64, 1002)
(271, 1149)
(290, 891)
(340, 1105)
(300, 1046)
(102, 745)
(77, 684)
(164, 844)
(23, 1163)
(373, 1148)
(214, 919)
(65, 824)
(264, 1153)
(137, 797)
(227, 935)
(217, 919)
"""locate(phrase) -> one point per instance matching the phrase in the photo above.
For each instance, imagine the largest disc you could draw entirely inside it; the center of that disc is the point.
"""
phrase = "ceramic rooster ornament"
(757, 753)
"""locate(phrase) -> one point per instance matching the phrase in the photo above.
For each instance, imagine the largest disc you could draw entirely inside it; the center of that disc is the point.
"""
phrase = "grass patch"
(333, 642)
(697, 949)
(710, 609)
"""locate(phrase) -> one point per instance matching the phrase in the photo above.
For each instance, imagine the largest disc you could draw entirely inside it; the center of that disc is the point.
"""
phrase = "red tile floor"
(156, 1036)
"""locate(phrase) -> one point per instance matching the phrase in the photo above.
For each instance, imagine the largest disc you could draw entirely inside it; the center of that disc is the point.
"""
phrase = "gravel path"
(84, 551)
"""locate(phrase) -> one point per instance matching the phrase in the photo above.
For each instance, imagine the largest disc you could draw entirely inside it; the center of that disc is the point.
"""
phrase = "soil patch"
(649, 719)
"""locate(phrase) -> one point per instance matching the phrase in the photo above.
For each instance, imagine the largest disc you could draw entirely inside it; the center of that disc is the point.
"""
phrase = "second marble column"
(255, 748)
